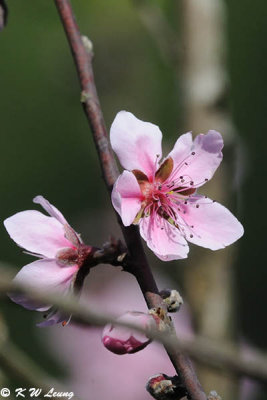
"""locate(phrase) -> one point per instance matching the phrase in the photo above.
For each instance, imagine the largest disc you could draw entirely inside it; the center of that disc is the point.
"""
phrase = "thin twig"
(222, 356)
(140, 267)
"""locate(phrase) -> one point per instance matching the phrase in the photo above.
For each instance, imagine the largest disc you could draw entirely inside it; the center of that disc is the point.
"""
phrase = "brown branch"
(140, 268)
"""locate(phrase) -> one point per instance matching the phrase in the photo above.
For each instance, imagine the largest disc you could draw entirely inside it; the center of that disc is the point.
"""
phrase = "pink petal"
(136, 143)
(167, 243)
(45, 275)
(197, 161)
(214, 226)
(37, 233)
(50, 209)
(126, 197)
(120, 340)
(54, 319)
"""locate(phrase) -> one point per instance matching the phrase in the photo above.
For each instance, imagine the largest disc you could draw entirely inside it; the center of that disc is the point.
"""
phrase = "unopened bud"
(87, 44)
(162, 319)
(214, 396)
(172, 299)
(163, 387)
(122, 340)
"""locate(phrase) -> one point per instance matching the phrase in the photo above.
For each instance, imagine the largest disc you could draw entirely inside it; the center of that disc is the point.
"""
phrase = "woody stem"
(82, 53)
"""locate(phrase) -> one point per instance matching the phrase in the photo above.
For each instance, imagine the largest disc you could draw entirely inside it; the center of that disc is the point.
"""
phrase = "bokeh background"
(153, 59)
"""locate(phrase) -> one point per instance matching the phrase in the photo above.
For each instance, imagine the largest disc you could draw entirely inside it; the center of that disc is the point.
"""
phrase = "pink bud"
(122, 340)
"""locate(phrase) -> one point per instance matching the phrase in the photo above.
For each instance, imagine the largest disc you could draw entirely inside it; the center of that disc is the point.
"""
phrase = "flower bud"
(214, 396)
(172, 299)
(120, 340)
(163, 387)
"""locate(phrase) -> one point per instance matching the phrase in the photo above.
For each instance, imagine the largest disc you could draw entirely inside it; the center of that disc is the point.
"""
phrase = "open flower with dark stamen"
(161, 196)
(61, 252)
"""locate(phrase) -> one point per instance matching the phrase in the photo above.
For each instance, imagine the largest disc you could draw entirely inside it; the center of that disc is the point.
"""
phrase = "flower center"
(163, 195)
(70, 256)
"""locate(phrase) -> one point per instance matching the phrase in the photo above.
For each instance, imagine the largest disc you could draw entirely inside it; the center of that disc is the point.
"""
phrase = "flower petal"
(122, 340)
(54, 319)
(36, 232)
(50, 209)
(197, 161)
(126, 197)
(136, 143)
(45, 275)
(164, 239)
(214, 226)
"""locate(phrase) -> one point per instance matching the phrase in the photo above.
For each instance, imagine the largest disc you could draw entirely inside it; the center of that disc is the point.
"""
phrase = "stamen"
(182, 163)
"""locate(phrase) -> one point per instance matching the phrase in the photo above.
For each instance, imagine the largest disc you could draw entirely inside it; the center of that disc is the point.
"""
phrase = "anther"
(182, 180)
(191, 235)
(191, 183)
(192, 226)
(185, 163)
(206, 179)
(181, 177)
(197, 206)
(185, 202)
(193, 153)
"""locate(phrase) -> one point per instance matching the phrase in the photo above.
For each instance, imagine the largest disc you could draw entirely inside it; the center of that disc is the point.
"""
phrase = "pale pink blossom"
(120, 340)
(60, 250)
(161, 196)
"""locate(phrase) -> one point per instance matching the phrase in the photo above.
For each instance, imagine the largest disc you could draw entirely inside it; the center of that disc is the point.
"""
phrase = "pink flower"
(121, 340)
(162, 196)
(61, 252)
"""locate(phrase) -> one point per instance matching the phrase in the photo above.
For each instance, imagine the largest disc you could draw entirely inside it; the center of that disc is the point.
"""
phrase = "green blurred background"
(47, 148)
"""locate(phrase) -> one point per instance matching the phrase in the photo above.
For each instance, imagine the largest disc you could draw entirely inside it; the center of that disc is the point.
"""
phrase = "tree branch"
(140, 267)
